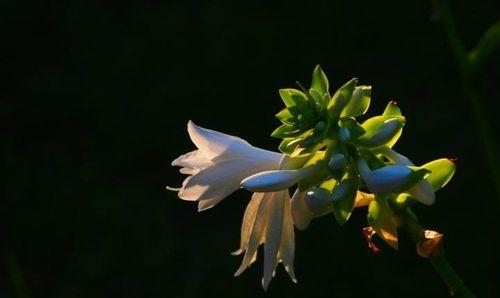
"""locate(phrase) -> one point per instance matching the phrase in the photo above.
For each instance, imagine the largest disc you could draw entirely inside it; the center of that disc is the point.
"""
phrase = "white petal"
(256, 235)
(192, 162)
(273, 236)
(248, 221)
(388, 178)
(423, 192)
(216, 145)
(287, 249)
(275, 180)
(219, 180)
(301, 214)
(267, 221)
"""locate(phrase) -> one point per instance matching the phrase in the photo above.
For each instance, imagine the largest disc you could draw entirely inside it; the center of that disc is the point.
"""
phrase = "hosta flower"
(219, 165)
(331, 158)
(216, 170)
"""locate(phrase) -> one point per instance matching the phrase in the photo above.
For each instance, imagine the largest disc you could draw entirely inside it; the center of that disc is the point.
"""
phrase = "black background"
(94, 104)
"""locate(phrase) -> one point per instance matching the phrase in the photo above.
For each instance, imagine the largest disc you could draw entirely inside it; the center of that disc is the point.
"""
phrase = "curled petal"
(431, 245)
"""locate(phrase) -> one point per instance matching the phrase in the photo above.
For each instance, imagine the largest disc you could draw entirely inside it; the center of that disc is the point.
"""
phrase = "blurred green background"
(95, 100)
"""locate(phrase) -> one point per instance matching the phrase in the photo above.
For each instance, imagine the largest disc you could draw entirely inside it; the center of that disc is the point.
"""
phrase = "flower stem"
(469, 66)
(455, 284)
(19, 286)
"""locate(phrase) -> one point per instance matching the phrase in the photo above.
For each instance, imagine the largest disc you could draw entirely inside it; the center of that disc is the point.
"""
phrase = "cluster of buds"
(333, 162)
(340, 163)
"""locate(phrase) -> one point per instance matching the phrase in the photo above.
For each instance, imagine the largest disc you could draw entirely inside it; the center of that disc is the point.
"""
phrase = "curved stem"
(455, 284)
(469, 65)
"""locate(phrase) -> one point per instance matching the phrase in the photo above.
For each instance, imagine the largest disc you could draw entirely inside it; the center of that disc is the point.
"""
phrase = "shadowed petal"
(300, 213)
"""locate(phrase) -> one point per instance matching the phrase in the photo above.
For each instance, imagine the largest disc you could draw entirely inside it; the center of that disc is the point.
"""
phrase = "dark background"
(95, 99)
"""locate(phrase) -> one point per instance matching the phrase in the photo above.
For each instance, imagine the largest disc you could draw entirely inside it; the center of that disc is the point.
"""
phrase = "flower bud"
(318, 200)
(344, 134)
(380, 131)
(388, 179)
(359, 103)
(341, 98)
(337, 162)
(275, 180)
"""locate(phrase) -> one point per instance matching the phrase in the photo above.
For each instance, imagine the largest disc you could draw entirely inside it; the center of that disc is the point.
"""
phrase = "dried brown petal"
(431, 245)
(369, 232)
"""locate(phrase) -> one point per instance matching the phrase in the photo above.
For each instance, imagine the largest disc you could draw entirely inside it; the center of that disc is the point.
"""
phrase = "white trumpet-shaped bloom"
(268, 221)
(219, 165)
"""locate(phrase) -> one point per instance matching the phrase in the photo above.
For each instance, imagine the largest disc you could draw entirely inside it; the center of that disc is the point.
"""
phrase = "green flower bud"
(341, 98)
(344, 134)
(359, 103)
(381, 131)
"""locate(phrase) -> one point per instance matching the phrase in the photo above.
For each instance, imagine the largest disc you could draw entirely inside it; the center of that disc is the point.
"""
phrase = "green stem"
(17, 280)
(455, 285)
(469, 65)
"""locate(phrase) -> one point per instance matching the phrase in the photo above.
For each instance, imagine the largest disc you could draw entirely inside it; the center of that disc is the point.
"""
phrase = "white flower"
(219, 165)
(268, 221)
(216, 169)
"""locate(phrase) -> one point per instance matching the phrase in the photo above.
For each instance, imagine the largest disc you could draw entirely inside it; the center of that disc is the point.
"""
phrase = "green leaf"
(441, 172)
(341, 98)
(382, 130)
(286, 131)
(359, 103)
(382, 219)
(286, 117)
(344, 197)
(319, 80)
(293, 97)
